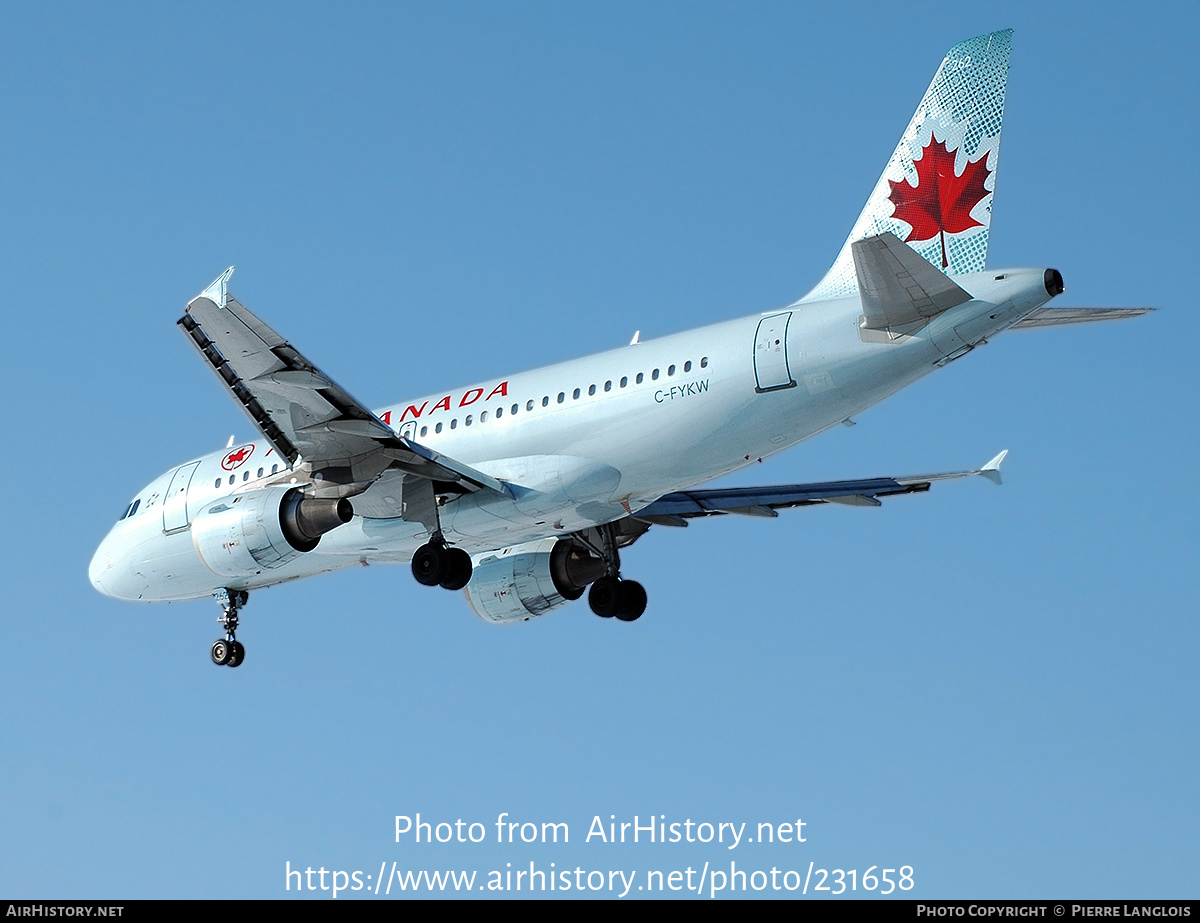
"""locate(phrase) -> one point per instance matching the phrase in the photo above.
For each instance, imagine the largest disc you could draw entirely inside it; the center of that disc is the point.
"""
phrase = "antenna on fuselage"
(634, 341)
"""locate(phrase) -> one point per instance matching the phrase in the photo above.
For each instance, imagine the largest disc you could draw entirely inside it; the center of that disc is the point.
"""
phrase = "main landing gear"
(437, 564)
(611, 595)
(228, 652)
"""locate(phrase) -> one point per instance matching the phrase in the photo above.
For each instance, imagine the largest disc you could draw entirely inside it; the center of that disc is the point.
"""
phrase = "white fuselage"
(580, 443)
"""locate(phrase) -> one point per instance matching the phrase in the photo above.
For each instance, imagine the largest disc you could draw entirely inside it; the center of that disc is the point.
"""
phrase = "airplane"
(523, 491)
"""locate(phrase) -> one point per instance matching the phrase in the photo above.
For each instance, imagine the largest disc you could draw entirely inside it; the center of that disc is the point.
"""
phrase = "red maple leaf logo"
(941, 202)
(236, 457)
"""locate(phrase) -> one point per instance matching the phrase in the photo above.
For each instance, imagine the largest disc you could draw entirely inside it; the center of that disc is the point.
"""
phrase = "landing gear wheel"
(631, 600)
(604, 597)
(458, 574)
(431, 564)
(227, 651)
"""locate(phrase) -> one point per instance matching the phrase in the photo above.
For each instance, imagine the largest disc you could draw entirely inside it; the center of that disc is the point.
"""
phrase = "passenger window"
(546, 401)
(454, 423)
(591, 390)
(514, 407)
(438, 428)
(704, 362)
(687, 366)
(468, 420)
(231, 477)
(217, 482)
(608, 385)
(424, 430)
(246, 475)
(562, 396)
(624, 380)
(670, 370)
(575, 395)
(655, 375)
(260, 472)
(639, 378)
(274, 468)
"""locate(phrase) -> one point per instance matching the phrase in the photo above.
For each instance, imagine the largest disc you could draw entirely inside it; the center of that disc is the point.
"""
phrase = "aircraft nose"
(96, 570)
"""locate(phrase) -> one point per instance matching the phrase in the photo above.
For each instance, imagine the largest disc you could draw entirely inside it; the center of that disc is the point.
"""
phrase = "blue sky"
(995, 687)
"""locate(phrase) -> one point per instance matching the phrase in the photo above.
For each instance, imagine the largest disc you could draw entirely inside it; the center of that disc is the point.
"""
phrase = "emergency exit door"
(771, 370)
(175, 511)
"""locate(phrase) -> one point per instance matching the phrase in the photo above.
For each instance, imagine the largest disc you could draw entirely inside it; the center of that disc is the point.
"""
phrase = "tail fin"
(936, 192)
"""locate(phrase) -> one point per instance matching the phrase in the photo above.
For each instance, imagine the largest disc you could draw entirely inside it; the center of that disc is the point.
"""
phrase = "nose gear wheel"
(228, 651)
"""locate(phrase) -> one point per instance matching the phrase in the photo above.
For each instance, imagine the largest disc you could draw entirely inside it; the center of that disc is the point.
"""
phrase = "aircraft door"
(771, 371)
(409, 430)
(175, 511)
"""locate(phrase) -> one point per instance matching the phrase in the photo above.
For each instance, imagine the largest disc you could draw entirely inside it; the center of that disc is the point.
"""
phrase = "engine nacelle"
(531, 579)
(245, 534)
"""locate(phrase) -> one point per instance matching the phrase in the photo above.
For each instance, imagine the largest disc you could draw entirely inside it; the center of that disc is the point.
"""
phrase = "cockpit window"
(131, 509)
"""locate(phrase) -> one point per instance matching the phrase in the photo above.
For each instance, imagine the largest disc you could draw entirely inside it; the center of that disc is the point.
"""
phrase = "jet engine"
(245, 534)
(531, 579)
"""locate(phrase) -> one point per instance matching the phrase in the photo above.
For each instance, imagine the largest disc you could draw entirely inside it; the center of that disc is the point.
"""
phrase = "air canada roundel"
(235, 458)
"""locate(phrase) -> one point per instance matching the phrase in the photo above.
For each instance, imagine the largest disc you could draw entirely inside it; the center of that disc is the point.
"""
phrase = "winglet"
(216, 292)
(991, 470)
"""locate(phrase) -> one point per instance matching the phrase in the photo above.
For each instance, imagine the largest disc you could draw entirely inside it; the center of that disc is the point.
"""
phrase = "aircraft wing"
(676, 508)
(302, 412)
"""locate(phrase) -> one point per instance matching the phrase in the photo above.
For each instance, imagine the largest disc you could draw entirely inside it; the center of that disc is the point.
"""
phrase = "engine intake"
(532, 579)
(245, 534)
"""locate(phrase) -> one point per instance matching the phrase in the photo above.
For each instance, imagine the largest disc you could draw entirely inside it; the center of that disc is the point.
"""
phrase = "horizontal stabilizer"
(897, 286)
(1053, 317)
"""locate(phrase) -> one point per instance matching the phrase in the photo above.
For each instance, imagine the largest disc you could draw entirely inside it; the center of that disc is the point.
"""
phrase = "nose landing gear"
(229, 652)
